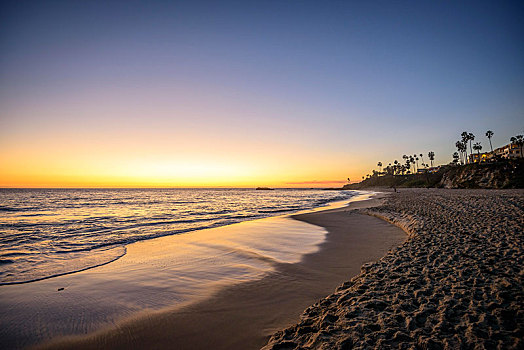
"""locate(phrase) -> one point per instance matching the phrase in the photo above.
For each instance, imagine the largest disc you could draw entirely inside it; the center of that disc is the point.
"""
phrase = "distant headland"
(500, 168)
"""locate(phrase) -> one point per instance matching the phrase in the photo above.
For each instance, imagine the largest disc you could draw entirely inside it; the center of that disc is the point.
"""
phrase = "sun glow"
(97, 157)
(72, 169)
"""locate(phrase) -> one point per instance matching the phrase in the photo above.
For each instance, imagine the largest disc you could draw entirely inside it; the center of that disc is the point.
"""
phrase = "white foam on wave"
(48, 233)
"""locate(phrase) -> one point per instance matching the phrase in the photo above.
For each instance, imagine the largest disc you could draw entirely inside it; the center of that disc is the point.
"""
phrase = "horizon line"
(142, 188)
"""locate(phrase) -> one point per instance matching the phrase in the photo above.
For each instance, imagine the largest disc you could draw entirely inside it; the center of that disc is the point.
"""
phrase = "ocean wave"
(282, 210)
(9, 278)
(54, 225)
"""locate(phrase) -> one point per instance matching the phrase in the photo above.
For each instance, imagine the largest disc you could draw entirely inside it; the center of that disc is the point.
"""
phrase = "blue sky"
(350, 82)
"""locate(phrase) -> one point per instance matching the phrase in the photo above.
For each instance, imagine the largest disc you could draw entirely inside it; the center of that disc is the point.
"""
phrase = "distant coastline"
(504, 174)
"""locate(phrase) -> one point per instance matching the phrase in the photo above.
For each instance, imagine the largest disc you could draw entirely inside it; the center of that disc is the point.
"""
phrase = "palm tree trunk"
(490, 144)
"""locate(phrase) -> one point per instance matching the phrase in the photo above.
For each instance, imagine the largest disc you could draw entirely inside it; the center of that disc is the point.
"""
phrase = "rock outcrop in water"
(456, 283)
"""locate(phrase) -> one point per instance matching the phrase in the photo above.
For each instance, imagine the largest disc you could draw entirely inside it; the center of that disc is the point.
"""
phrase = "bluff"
(496, 175)
(502, 174)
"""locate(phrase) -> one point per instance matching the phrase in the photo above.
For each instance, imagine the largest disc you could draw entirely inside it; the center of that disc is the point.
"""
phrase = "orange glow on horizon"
(107, 157)
(72, 181)
(74, 173)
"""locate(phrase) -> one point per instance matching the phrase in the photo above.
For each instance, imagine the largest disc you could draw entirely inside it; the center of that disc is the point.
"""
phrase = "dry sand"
(245, 315)
(456, 283)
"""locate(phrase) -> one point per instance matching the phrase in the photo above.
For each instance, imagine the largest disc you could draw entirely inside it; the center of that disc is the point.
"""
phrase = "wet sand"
(244, 315)
(155, 274)
(456, 283)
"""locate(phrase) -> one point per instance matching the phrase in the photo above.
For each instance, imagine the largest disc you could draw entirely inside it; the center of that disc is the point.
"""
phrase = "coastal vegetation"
(499, 168)
(489, 135)
(518, 141)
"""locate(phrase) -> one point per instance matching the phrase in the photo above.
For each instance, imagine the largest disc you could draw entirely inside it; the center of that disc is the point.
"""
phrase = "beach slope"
(456, 283)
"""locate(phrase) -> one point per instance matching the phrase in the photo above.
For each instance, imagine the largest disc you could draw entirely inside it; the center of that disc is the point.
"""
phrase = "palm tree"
(519, 141)
(477, 147)
(489, 135)
(416, 159)
(465, 139)
(408, 163)
(458, 144)
(471, 137)
(465, 151)
(461, 147)
(379, 164)
(431, 156)
(455, 158)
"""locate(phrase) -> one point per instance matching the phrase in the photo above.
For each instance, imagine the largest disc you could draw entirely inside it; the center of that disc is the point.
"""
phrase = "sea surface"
(51, 232)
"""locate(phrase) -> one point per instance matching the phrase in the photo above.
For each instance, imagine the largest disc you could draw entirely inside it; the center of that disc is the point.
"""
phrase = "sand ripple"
(456, 283)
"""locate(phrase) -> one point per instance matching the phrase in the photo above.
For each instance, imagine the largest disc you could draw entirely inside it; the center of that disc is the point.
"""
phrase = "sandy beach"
(416, 269)
(456, 283)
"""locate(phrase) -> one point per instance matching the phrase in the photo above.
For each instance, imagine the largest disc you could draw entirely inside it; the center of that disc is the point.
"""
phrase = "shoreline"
(157, 274)
(245, 315)
(457, 281)
(122, 246)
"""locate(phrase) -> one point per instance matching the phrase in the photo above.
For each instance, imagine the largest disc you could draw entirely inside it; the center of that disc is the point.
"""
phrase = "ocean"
(51, 232)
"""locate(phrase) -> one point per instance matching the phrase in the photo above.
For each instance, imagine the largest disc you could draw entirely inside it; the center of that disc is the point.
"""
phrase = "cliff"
(504, 174)
(501, 174)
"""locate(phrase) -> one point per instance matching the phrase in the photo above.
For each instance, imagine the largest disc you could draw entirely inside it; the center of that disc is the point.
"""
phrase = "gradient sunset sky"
(263, 93)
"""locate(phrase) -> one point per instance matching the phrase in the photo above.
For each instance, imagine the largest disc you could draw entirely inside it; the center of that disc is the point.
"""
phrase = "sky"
(242, 94)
